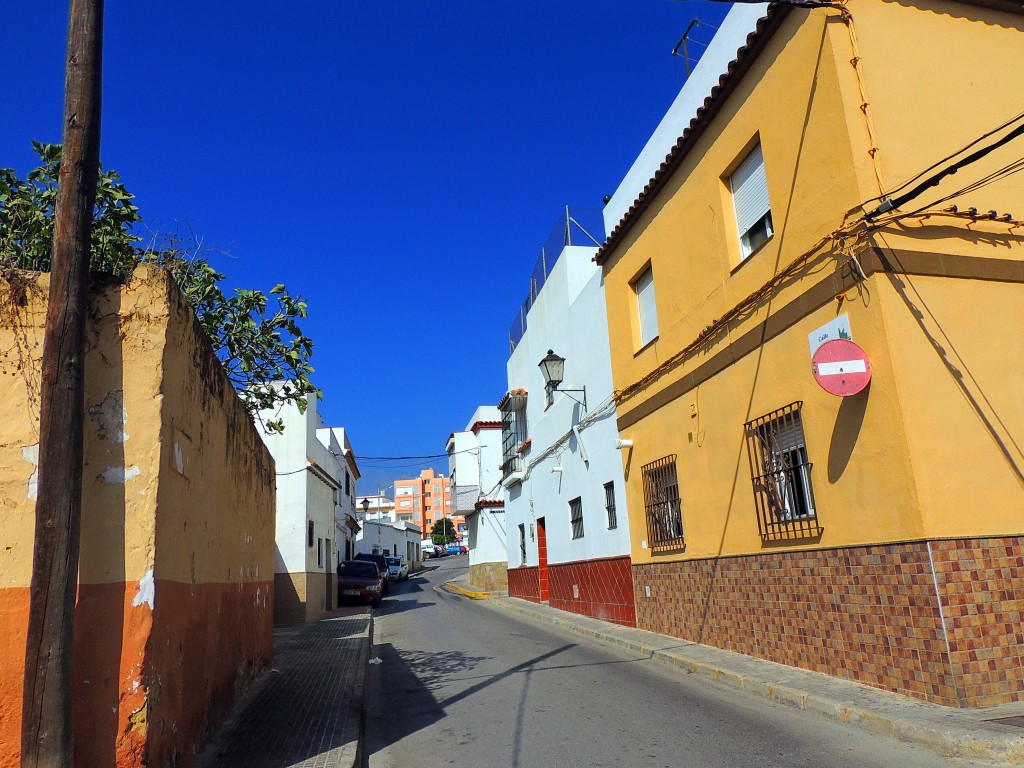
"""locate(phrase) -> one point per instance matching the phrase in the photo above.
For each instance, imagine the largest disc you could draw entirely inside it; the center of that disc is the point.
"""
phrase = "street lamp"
(552, 368)
(366, 506)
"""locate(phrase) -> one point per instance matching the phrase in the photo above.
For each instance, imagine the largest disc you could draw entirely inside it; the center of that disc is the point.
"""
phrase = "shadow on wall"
(849, 421)
(99, 634)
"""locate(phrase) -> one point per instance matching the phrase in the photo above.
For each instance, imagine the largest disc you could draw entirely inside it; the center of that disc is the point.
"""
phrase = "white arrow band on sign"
(844, 366)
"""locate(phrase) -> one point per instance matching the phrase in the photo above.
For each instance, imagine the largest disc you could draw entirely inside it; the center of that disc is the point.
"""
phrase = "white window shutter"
(750, 190)
(648, 311)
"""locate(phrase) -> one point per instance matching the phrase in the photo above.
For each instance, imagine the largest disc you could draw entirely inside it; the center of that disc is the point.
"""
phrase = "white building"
(316, 473)
(346, 523)
(568, 539)
(377, 507)
(387, 538)
(474, 466)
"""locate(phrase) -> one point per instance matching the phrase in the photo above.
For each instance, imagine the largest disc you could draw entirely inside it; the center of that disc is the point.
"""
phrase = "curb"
(351, 754)
(949, 732)
(453, 587)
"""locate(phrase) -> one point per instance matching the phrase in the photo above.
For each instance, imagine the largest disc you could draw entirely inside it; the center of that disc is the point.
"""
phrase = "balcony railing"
(578, 226)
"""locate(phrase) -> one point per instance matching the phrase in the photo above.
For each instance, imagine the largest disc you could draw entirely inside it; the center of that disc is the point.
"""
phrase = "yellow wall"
(886, 461)
(176, 566)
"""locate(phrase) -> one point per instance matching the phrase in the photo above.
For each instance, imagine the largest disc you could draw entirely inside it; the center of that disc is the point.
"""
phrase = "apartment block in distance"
(429, 497)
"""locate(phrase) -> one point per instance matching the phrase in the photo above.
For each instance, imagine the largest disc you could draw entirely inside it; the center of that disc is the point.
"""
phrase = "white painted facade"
(568, 317)
(335, 439)
(315, 517)
(383, 536)
(474, 466)
(730, 37)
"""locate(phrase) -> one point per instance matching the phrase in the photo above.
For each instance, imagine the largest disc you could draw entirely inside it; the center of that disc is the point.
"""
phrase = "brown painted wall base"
(879, 615)
(147, 684)
(299, 597)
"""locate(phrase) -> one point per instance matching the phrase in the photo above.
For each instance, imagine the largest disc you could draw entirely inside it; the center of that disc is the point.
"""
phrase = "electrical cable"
(950, 156)
(893, 203)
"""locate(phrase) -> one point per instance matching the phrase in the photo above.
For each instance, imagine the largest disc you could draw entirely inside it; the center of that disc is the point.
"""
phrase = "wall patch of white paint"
(120, 475)
(30, 453)
(147, 591)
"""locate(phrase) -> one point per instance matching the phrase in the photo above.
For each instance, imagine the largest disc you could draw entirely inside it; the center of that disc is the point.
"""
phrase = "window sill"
(746, 259)
(646, 346)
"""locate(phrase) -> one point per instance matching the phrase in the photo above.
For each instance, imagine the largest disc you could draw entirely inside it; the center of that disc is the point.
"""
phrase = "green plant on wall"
(255, 335)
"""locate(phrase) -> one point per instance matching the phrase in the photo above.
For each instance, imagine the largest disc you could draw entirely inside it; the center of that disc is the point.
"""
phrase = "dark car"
(360, 580)
(382, 565)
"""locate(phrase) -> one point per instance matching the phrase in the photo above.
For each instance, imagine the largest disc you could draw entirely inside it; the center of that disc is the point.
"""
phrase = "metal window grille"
(522, 543)
(513, 433)
(309, 533)
(662, 506)
(781, 475)
(609, 505)
(576, 517)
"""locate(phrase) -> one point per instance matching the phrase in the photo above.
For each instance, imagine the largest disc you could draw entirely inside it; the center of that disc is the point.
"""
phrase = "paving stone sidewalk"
(307, 710)
(994, 734)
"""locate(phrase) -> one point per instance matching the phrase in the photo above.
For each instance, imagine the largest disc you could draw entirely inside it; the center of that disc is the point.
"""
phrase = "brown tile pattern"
(524, 582)
(603, 589)
(865, 613)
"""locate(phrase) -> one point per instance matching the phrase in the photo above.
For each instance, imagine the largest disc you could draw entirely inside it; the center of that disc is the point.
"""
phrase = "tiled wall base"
(524, 582)
(869, 614)
(491, 577)
(599, 588)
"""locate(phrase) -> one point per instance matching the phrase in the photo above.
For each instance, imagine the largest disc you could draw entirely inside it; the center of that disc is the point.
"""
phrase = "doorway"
(542, 559)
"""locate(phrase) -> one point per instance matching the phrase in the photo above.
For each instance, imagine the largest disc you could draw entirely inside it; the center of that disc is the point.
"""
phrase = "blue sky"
(397, 164)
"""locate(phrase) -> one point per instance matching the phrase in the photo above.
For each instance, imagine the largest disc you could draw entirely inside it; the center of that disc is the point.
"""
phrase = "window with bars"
(662, 506)
(522, 544)
(647, 310)
(576, 517)
(609, 505)
(513, 432)
(749, 187)
(781, 475)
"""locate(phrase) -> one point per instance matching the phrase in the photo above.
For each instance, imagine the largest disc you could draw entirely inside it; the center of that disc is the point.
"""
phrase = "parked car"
(454, 549)
(360, 580)
(398, 568)
(382, 565)
(464, 548)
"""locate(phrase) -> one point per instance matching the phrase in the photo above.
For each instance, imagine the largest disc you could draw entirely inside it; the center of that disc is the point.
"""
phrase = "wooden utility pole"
(46, 729)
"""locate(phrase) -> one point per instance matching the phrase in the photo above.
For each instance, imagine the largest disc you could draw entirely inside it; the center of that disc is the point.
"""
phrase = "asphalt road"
(463, 684)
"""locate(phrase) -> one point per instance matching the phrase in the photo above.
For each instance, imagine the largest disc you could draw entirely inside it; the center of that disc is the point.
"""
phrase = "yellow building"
(875, 535)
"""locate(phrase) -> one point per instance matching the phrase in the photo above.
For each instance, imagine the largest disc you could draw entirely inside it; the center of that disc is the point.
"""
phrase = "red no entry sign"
(841, 367)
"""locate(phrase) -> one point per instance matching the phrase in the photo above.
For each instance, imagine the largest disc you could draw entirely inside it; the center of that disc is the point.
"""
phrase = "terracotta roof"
(485, 425)
(510, 394)
(489, 503)
(745, 56)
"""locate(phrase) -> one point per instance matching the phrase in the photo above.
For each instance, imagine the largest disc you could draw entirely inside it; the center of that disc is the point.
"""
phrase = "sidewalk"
(307, 710)
(994, 733)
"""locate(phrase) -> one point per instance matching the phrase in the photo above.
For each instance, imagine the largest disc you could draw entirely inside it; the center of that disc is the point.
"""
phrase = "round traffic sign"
(841, 367)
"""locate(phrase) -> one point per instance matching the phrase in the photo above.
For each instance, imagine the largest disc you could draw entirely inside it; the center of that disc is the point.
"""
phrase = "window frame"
(514, 432)
(576, 517)
(663, 507)
(646, 320)
(751, 202)
(780, 475)
(609, 505)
